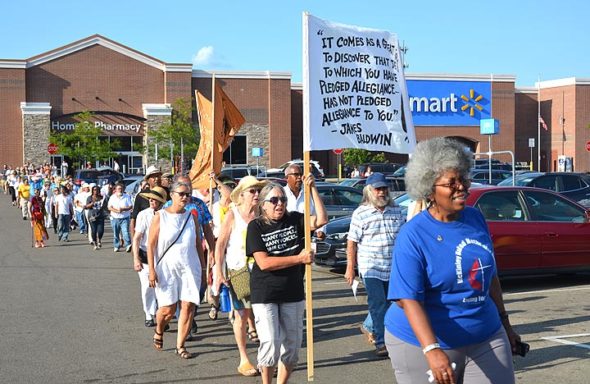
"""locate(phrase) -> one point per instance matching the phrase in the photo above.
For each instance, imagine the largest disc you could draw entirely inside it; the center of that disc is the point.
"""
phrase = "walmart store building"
(131, 93)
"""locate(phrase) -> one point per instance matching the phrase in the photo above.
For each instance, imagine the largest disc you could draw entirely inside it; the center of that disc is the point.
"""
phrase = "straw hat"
(156, 193)
(247, 182)
(152, 170)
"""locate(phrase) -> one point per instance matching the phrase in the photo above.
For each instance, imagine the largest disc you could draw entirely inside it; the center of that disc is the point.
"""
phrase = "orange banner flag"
(228, 121)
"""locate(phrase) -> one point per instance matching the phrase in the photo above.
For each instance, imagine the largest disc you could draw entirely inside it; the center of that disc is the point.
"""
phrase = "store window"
(237, 151)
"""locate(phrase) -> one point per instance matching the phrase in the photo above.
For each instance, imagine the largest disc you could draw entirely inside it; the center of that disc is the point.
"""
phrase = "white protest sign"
(354, 89)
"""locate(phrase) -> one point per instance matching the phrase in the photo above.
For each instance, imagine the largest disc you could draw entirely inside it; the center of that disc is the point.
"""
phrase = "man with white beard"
(373, 229)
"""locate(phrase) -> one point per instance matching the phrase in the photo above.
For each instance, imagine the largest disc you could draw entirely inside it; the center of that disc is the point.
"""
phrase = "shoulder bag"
(240, 281)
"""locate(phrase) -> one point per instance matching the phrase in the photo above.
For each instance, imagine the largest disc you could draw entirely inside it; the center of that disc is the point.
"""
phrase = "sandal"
(248, 370)
(183, 353)
(253, 336)
(158, 343)
(213, 312)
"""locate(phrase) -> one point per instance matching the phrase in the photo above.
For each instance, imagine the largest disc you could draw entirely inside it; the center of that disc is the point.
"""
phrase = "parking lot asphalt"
(73, 315)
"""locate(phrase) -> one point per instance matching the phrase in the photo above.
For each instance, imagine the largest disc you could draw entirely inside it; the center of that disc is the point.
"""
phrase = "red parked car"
(534, 230)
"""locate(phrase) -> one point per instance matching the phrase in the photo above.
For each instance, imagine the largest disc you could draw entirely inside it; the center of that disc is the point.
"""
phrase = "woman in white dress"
(175, 257)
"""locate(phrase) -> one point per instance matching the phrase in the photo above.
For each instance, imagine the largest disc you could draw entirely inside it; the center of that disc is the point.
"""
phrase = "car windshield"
(521, 181)
(401, 172)
(348, 182)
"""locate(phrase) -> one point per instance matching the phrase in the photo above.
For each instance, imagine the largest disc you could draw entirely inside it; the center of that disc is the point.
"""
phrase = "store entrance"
(131, 163)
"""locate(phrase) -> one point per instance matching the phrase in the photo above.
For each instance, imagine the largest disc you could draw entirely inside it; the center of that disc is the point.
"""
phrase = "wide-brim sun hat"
(244, 184)
(152, 170)
(156, 193)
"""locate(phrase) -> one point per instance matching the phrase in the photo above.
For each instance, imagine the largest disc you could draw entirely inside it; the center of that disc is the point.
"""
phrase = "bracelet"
(430, 347)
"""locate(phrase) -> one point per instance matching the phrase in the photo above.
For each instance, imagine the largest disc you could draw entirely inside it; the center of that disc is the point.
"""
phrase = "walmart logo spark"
(472, 102)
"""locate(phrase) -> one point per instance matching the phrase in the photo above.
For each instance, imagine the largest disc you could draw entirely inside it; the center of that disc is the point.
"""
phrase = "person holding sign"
(276, 241)
(450, 318)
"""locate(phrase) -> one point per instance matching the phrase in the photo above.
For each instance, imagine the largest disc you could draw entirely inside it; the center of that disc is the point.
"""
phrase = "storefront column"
(36, 126)
(155, 115)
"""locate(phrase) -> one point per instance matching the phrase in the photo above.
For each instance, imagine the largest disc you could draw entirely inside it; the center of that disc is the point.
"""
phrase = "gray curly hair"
(430, 160)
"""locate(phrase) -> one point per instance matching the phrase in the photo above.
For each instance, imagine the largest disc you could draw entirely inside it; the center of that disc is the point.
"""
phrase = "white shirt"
(142, 225)
(64, 204)
(80, 199)
(120, 202)
(297, 204)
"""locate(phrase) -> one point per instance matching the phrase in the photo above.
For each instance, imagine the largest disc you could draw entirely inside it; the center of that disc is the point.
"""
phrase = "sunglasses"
(294, 174)
(182, 194)
(275, 200)
(254, 190)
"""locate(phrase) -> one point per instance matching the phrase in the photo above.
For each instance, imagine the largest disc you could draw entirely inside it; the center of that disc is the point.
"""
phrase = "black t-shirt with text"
(277, 238)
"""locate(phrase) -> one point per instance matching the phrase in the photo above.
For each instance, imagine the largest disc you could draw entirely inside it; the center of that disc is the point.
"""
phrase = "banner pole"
(308, 280)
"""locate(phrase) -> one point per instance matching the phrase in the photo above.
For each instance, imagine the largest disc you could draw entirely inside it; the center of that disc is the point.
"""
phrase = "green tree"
(179, 130)
(354, 156)
(83, 144)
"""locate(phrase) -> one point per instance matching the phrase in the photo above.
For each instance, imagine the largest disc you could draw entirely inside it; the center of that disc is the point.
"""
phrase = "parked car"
(279, 172)
(397, 185)
(385, 168)
(496, 164)
(93, 174)
(132, 184)
(534, 231)
(331, 250)
(576, 186)
(483, 175)
(339, 200)
(237, 172)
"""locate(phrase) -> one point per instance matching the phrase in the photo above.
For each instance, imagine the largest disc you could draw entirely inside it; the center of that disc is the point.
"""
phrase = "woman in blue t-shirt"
(449, 322)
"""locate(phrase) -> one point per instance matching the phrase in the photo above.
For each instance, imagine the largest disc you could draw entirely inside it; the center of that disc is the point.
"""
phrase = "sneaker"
(150, 323)
(115, 249)
(95, 247)
(99, 245)
(128, 249)
(381, 351)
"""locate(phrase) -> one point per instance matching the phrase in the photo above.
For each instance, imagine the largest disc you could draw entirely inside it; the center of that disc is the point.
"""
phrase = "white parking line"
(556, 290)
(562, 340)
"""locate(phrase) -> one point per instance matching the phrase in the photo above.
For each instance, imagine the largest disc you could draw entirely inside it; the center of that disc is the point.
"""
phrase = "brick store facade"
(131, 93)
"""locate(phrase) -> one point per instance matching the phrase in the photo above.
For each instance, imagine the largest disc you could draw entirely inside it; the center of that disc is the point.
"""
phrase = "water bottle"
(224, 300)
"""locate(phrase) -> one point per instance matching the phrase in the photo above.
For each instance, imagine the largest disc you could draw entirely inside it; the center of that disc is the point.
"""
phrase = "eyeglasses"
(294, 174)
(455, 184)
(182, 194)
(254, 190)
(275, 200)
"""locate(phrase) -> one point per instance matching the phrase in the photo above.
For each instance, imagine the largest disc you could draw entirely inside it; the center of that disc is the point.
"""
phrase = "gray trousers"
(486, 362)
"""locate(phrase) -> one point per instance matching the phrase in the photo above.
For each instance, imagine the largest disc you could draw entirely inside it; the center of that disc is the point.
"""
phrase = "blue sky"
(524, 38)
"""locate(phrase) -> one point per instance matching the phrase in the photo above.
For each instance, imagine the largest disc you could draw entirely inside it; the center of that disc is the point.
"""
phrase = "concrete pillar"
(36, 127)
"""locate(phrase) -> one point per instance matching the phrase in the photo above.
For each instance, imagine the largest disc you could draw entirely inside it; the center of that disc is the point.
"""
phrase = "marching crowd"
(434, 299)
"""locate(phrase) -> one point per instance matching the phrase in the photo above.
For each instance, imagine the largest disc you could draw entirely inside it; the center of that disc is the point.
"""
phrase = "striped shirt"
(374, 232)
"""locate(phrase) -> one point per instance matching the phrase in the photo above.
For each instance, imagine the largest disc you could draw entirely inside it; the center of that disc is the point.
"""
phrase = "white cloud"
(204, 56)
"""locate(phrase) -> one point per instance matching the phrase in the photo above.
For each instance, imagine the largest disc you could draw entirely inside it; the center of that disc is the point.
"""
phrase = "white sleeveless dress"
(179, 272)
